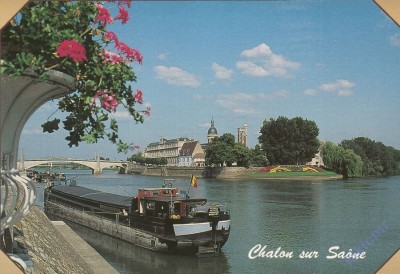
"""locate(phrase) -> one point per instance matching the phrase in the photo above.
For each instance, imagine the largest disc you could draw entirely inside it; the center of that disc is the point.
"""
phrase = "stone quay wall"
(205, 172)
(49, 251)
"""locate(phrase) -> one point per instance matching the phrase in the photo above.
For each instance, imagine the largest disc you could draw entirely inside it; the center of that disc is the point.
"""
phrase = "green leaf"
(51, 126)
(114, 125)
(89, 138)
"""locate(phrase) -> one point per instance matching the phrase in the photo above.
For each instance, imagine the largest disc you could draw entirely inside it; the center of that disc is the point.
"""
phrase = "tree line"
(138, 158)
(361, 156)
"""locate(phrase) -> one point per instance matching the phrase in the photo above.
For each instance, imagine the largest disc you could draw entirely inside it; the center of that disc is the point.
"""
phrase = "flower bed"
(293, 171)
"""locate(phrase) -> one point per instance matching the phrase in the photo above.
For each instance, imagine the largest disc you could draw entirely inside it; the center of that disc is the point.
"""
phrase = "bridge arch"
(96, 166)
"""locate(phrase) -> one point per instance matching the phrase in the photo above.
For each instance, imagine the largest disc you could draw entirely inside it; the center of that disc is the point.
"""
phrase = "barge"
(160, 219)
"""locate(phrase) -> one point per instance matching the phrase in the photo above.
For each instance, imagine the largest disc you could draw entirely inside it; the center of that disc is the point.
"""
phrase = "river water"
(288, 217)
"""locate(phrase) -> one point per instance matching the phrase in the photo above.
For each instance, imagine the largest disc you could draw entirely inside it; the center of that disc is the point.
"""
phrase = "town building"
(168, 149)
(191, 154)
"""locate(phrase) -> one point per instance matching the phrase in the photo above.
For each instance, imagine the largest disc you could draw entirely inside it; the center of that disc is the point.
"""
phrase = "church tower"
(212, 132)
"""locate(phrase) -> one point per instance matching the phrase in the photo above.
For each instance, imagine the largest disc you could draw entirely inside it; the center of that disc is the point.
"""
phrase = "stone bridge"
(96, 166)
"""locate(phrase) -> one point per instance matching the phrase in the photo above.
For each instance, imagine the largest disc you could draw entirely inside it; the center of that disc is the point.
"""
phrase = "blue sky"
(334, 62)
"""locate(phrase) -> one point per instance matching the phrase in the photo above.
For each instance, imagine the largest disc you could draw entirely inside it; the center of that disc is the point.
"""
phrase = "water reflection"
(128, 258)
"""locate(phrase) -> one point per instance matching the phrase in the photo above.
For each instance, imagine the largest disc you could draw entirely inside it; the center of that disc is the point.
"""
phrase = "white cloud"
(340, 87)
(241, 97)
(282, 93)
(205, 125)
(162, 56)
(238, 103)
(337, 85)
(251, 69)
(395, 39)
(344, 92)
(265, 97)
(176, 76)
(259, 52)
(310, 92)
(221, 72)
(245, 111)
(262, 62)
(245, 104)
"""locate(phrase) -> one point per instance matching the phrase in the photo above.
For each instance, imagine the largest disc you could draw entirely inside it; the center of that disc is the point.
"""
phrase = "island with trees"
(287, 145)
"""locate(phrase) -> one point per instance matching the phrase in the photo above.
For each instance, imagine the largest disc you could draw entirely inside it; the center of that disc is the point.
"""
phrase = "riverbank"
(230, 173)
(50, 250)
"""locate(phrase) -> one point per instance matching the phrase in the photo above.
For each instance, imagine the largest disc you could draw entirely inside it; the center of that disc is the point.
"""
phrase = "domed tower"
(212, 131)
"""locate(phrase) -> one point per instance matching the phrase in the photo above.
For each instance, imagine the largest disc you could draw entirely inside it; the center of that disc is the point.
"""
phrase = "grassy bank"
(294, 174)
(297, 171)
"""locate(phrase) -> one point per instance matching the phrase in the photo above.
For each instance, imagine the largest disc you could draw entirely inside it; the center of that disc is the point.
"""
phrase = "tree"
(341, 160)
(378, 159)
(156, 161)
(224, 150)
(289, 141)
(242, 155)
(138, 158)
(73, 37)
(220, 151)
(258, 157)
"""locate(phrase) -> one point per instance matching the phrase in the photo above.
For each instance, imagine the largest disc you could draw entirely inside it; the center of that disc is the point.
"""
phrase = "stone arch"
(31, 164)
(122, 166)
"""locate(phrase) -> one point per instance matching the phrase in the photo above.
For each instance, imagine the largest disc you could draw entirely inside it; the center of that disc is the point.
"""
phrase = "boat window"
(150, 205)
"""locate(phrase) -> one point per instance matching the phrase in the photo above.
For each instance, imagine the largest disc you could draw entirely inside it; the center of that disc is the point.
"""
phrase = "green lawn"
(293, 174)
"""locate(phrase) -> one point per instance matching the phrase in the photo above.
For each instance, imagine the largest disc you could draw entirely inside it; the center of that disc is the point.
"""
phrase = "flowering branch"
(72, 37)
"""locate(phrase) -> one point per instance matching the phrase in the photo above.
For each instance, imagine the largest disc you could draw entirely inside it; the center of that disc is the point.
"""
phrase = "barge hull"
(102, 225)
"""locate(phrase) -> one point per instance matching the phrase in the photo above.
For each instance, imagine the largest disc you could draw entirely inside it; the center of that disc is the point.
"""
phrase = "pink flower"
(130, 53)
(126, 2)
(121, 2)
(147, 112)
(107, 99)
(72, 49)
(109, 102)
(122, 15)
(111, 57)
(138, 56)
(136, 147)
(103, 15)
(111, 36)
(138, 96)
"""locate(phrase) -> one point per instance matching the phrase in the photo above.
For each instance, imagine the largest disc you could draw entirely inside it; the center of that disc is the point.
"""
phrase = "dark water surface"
(293, 216)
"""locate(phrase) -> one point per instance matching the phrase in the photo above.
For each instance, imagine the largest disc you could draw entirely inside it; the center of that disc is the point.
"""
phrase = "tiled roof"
(166, 141)
(188, 148)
